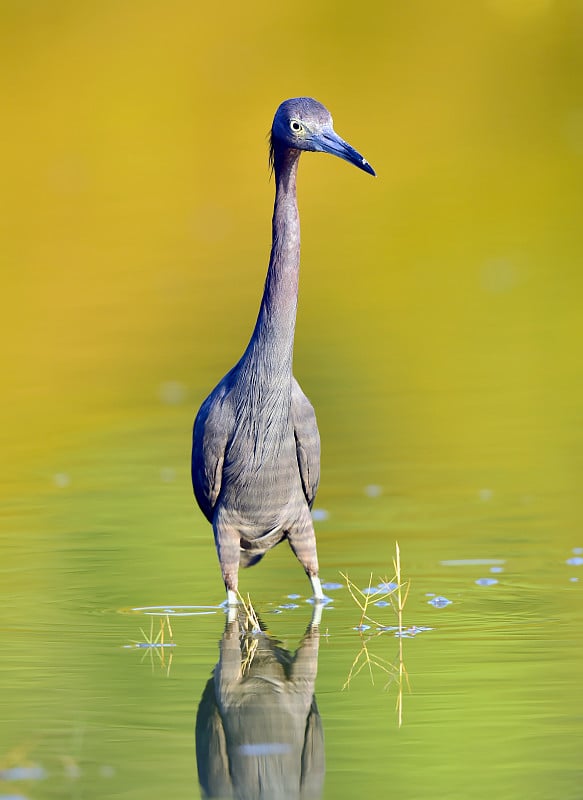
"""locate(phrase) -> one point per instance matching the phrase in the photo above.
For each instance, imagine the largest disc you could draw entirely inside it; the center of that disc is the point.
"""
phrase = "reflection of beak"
(328, 141)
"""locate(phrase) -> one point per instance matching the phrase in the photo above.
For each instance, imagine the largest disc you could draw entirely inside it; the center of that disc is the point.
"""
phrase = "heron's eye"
(295, 126)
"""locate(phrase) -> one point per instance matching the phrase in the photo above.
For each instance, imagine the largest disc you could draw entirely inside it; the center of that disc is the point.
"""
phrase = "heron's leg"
(302, 541)
(227, 541)
(317, 613)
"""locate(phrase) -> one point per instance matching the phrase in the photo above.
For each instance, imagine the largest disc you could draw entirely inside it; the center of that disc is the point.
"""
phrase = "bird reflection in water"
(258, 729)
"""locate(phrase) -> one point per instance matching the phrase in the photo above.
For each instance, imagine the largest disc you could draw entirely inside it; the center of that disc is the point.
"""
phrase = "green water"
(438, 338)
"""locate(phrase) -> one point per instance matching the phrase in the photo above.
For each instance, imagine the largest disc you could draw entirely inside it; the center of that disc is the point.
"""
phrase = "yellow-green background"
(439, 338)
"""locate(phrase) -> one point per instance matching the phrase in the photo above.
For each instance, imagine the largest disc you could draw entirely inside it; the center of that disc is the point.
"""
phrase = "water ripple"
(439, 602)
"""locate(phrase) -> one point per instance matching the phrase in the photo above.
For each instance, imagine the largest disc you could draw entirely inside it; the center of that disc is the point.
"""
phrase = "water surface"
(438, 337)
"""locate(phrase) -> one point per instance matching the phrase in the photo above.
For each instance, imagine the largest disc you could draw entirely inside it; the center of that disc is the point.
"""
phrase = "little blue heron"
(256, 446)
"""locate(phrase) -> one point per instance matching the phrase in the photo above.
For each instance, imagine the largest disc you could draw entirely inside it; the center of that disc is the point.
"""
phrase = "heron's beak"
(328, 141)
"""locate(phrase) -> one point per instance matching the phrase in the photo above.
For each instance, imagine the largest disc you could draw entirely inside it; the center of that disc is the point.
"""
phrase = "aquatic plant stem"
(397, 596)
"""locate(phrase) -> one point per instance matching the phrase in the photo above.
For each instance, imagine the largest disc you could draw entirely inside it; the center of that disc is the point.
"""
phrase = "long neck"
(273, 336)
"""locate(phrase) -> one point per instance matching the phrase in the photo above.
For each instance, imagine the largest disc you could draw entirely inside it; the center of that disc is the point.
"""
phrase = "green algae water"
(438, 338)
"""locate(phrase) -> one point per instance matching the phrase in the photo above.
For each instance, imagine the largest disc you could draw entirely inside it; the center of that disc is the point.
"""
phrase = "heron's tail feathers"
(253, 550)
(249, 558)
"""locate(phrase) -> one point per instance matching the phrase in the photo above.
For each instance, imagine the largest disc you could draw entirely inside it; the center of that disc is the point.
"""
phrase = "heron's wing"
(211, 430)
(307, 441)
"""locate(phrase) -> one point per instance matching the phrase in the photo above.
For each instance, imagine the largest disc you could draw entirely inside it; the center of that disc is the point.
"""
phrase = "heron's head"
(304, 124)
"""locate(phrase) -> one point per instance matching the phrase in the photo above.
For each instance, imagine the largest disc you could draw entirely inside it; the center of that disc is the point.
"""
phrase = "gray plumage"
(256, 447)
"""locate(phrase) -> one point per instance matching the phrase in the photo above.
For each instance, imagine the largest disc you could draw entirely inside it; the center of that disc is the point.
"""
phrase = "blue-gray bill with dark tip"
(330, 142)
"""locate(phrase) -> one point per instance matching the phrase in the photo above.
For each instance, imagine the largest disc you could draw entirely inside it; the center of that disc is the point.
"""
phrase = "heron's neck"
(273, 337)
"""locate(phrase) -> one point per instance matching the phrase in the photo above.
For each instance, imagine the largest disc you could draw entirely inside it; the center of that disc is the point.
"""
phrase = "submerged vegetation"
(386, 593)
(157, 644)
(249, 615)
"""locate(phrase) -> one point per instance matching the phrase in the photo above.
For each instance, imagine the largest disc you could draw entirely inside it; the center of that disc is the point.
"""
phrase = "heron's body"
(256, 447)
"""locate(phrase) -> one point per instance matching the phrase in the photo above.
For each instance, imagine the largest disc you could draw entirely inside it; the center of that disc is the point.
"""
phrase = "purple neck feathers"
(273, 337)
